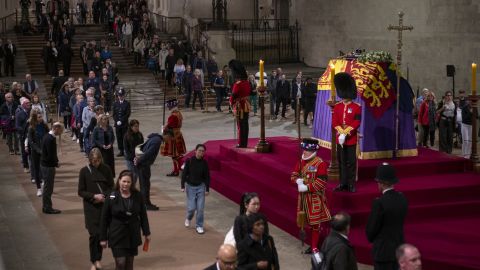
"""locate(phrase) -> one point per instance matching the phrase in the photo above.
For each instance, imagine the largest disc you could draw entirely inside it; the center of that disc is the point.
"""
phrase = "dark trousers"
(66, 67)
(188, 95)
(219, 98)
(12, 141)
(427, 133)
(198, 94)
(95, 247)
(144, 175)
(385, 266)
(120, 133)
(306, 110)
(35, 168)
(48, 174)
(10, 67)
(297, 107)
(283, 101)
(21, 144)
(347, 163)
(242, 127)
(137, 58)
(445, 134)
(169, 76)
(273, 101)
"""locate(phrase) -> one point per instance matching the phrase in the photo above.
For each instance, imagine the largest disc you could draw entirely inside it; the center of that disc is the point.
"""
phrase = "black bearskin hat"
(345, 85)
(238, 69)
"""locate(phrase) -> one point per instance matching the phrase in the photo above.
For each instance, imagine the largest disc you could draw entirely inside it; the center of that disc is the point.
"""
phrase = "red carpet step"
(444, 201)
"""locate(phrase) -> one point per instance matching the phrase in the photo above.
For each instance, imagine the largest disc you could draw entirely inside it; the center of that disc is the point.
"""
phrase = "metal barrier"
(8, 22)
(279, 44)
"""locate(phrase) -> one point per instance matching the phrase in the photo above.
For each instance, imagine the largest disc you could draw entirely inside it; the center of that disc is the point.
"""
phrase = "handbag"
(138, 150)
(230, 238)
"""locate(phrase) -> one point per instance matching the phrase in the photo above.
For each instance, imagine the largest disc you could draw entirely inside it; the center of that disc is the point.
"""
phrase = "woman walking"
(426, 118)
(123, 216)
(447, 111)
(36, 130)
(250, 204)
(133, 138)
(103, 139)
(94, 185)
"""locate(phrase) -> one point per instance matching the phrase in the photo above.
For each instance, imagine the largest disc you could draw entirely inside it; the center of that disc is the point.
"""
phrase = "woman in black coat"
(123, 215)
(250, 204)
(94, 185)
(103, 139)
(36, 130)
(257, 250)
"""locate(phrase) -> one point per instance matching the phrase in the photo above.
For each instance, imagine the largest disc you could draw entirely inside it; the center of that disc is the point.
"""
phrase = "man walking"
(10, 53)
(48, 165)
(339, 253)
(143, 162)
(121, 113)
(21, 117)
(385, 223)
(196, 183)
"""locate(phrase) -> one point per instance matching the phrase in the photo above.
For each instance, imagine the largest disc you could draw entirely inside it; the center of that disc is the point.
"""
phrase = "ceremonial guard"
(239, 101)
(173, 145)
(346, 121)
(310, 175)
(121, 113)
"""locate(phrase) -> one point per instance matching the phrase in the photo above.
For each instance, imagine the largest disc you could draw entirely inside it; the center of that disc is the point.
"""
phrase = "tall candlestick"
(474, 79)
(262, 82)
(332, 85)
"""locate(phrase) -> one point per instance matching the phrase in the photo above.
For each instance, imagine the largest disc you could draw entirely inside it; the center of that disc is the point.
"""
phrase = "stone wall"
(445, 32)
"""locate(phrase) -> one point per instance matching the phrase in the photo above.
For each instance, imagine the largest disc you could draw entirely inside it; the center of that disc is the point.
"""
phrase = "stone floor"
(32, 240)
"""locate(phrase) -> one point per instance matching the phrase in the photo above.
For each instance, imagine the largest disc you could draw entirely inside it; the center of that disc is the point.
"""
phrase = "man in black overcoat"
(339, 253)
(226, 258)
(66, 54)
(385, 223)
(283, 95)
(10, 52)
(309, 96)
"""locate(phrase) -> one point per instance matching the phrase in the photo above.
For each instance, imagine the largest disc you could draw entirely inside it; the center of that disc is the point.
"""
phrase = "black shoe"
(340, 187)
(152, 207)
(173, 174)
(51, 211)
(120, 154)
(352, 188)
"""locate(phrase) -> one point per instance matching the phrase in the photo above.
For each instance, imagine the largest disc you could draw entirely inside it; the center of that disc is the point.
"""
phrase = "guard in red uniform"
(173, 145)
(310, 176)
(346, 121)
(239, 100)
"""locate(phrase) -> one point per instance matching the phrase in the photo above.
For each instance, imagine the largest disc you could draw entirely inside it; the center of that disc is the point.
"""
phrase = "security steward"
(121, 113)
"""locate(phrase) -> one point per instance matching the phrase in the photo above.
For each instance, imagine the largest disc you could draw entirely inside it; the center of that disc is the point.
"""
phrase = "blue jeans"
(195, 201)
(87, 146)
(133, 169)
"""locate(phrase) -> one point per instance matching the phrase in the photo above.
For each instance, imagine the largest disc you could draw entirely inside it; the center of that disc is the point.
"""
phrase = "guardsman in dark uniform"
(239, 100)
(346, 121)
(385, 224)
(121, 113)
(310, 175)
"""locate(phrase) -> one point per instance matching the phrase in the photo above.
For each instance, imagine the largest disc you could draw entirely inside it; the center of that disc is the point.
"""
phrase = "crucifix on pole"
(400, 28)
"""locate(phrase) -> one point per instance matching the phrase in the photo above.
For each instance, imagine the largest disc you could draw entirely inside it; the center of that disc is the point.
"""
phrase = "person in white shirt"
(127, 30)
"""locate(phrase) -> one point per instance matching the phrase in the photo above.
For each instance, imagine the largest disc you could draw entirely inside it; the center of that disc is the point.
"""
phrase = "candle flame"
(332, 66)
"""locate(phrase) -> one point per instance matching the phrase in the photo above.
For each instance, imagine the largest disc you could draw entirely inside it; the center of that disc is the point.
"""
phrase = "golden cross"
(400, 28)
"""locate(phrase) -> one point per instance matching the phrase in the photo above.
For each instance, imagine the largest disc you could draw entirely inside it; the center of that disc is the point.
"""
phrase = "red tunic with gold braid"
(240, 98)
(314, 174)
(174, 147)
(346, 120)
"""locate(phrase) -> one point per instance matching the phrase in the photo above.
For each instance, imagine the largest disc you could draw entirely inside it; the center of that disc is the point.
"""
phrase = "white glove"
(119, 123)
(299, 181)
(341, 139)
(302, 188)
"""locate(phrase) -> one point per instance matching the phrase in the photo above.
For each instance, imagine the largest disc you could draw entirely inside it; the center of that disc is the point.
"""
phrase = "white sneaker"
(42, 184)
(78, 140)
(33, 180)
(74, 138)
(187, 223)
(39, 192)
(107, 114)
(200, 230)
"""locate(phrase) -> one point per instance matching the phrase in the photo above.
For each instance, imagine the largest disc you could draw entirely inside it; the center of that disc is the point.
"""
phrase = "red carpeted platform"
(444, 197)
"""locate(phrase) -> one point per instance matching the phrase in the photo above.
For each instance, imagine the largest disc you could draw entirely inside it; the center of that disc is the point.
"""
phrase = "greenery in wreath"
(375, 56)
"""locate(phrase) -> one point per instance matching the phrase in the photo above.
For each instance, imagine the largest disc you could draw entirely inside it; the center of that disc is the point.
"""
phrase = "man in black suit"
(10, 53)
(296, 93)
(283, 94)
(51, 34)
(338, 251)
(226, 258)
(58, 83)
(309, 95)
(385, 223)
(2, 55)
(48, 165)
(66, 54)
(121, 113)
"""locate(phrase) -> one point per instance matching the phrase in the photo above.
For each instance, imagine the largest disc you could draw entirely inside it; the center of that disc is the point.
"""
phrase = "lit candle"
(474, 79)
(332, 85)
(262, 82)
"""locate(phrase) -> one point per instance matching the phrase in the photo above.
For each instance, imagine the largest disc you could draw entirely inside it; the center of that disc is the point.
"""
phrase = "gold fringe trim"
(374, 154)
